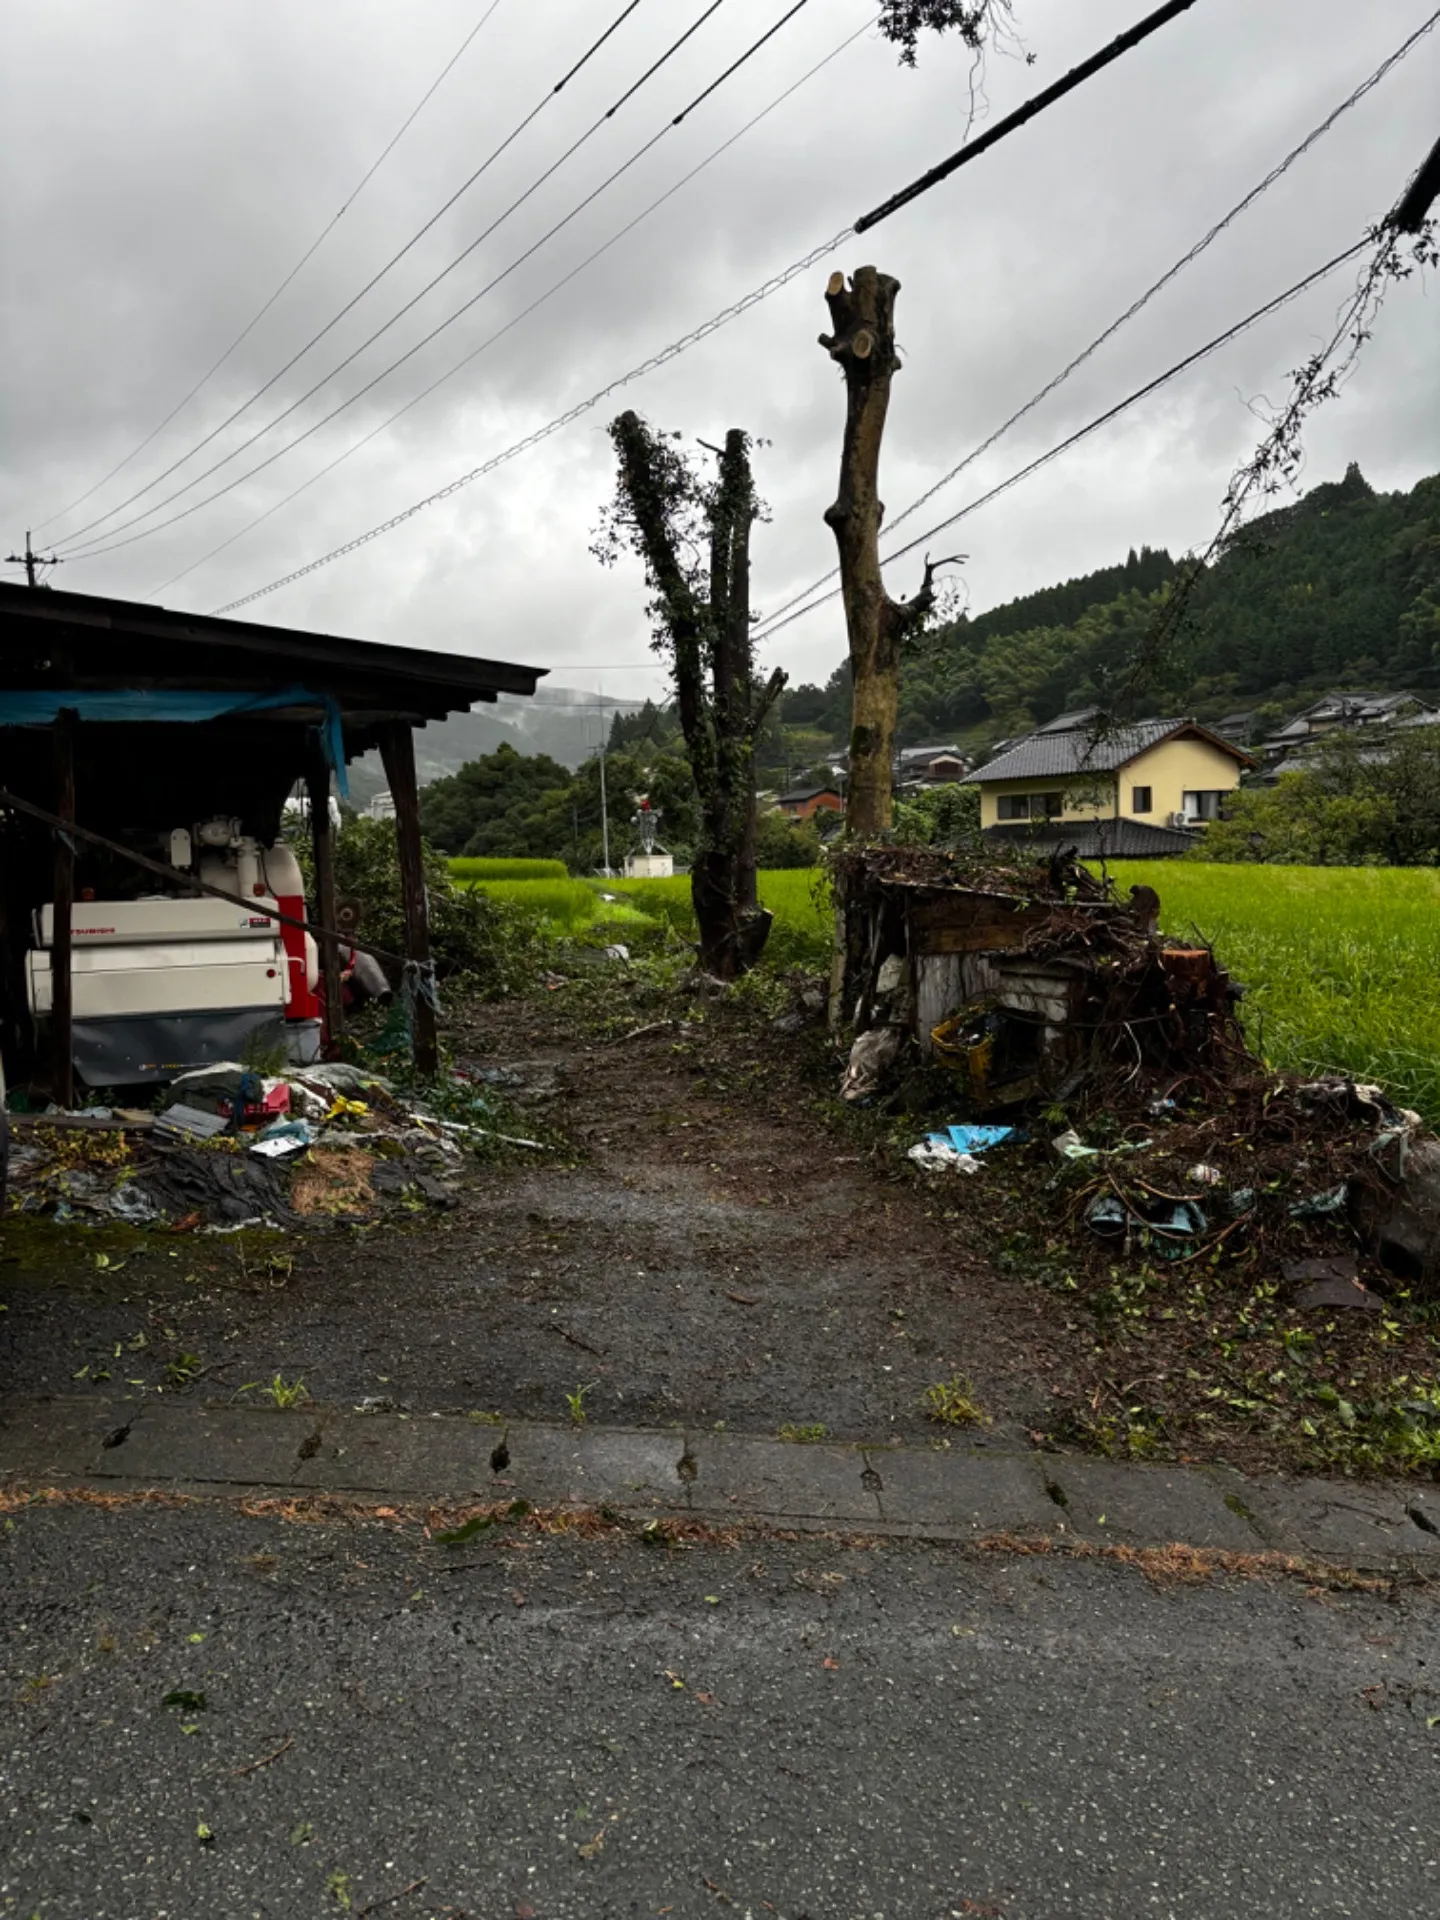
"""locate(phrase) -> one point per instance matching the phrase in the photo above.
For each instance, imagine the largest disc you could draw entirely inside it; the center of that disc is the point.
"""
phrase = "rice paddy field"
(1341, 964)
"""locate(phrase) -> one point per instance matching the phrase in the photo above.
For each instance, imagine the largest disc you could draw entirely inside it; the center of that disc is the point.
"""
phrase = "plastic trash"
(970, 1139)
(871, 1058)
(129, 1204)
(1319, 1204)
(283, 1138)
(1204, 1176)
(1070, 1146)
(938, 1155)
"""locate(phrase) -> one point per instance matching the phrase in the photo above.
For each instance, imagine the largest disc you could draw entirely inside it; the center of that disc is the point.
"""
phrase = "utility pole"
(604, 808)
(30, 560)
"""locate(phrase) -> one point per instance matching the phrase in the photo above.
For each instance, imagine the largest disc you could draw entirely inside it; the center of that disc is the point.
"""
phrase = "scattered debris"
(871, 1058)
(955, 1147)
(233, 1148)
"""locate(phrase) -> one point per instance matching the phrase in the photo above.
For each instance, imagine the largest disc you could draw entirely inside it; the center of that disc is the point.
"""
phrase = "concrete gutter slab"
(1365, 1524)
(780, 1480)
(388, 1453)
(962, 1493)
(240, 1446)
(597, 1466)
(1154, 1506)
(41, 1438)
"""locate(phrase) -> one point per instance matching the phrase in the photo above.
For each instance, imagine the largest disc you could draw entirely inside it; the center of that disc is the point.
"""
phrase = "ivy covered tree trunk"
(862, 344)
(671, 517)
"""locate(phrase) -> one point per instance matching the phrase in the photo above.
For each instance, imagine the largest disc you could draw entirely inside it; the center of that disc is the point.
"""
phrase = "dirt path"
(712, 1255)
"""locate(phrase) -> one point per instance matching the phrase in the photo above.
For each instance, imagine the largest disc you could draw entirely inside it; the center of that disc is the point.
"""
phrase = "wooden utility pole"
(322, 840)
(863, 346)
(62, 1023)
(397, 750)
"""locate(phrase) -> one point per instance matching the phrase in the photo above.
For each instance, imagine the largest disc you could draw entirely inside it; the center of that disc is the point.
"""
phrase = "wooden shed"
(121, 722)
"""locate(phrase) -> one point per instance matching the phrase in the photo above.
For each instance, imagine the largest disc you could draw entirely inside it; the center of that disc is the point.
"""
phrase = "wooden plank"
(62, 1024)
(397, 750)
(322, 839)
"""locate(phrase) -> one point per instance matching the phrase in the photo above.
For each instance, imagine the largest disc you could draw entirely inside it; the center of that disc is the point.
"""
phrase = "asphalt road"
(541, 1728)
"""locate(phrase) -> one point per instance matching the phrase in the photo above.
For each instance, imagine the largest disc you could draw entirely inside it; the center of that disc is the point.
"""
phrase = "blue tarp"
(38, 708)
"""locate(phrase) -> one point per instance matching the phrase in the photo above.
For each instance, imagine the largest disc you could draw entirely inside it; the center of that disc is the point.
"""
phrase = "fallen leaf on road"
(832, 1666)
(706, 1699)
(673, 1678)
(591, 1847)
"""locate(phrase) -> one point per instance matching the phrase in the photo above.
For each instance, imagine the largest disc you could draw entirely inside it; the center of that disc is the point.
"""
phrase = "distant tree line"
(508, 805)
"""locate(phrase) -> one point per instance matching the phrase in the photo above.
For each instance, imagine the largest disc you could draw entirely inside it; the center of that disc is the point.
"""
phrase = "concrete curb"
(958, 1493)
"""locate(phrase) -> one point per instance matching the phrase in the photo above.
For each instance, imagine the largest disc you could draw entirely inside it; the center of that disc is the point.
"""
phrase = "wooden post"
(322, 839)
(397, 750)
(62, 1076)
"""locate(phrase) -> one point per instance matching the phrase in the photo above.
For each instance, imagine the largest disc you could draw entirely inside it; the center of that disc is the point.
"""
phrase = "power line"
(304, 259)
(373, 282)
(1067, 83)
(1171, 273)
(110, 545)
(1093, 426)
(522, 315)
(656, 360)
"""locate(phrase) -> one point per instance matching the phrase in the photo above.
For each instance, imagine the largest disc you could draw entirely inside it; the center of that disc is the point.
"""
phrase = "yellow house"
(1133, 791)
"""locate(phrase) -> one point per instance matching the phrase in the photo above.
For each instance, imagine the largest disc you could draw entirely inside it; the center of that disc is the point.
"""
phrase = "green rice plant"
(471, 867)
(798, 897)
(1341, 965)
(562, 905)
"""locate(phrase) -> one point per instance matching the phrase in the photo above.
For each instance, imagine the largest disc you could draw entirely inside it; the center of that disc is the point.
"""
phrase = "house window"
(1029, 806)
(1141, 800)
(1205, 805)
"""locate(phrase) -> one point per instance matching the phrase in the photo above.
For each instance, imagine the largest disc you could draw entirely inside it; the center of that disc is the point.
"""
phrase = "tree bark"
(720, 710)
(863, 346)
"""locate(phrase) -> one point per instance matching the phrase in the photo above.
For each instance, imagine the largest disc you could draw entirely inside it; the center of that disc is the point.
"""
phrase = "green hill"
(1341, 588)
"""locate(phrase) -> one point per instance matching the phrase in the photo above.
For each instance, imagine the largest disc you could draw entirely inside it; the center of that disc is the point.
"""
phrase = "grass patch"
(470, 868)
(953, 1404)
(805, 1436)
(563, 905)
(1341, 964)
(798, 897)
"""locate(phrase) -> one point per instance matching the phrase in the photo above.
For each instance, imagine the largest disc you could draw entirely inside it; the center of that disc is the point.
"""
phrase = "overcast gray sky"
(165, 165)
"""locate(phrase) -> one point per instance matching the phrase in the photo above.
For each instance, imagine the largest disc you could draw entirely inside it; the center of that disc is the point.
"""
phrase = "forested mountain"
(1340, 589)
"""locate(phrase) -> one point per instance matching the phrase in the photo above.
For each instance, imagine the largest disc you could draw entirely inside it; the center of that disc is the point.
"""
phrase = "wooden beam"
(397, 750)
(322, 839)
(62, 1043)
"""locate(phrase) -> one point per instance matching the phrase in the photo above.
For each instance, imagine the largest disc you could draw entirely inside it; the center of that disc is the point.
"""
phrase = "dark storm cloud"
(169, 164)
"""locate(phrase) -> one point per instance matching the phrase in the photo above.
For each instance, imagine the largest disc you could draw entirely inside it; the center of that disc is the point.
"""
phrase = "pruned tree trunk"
(863, 345)
(721, 710)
